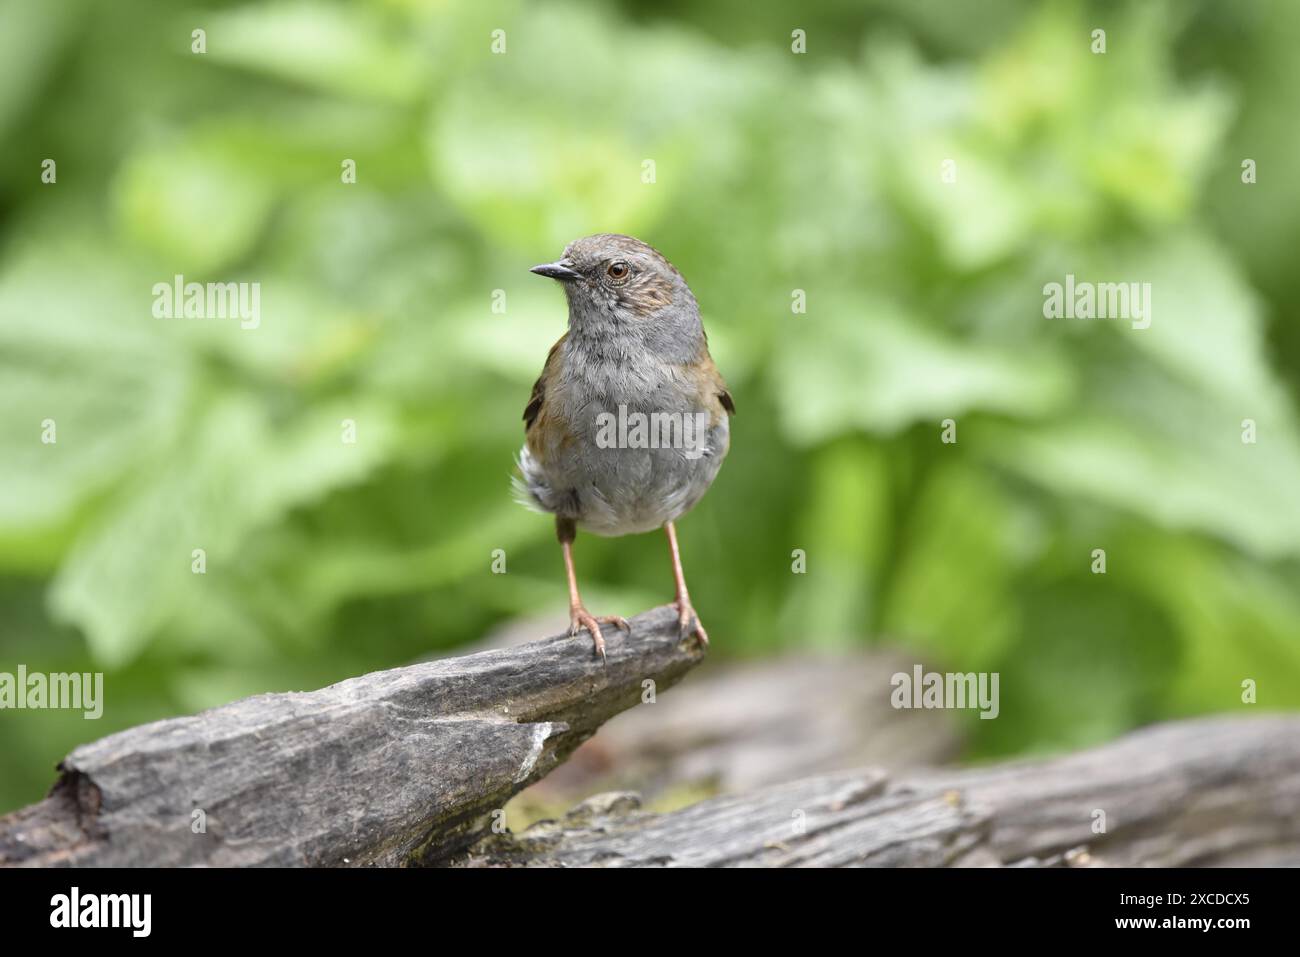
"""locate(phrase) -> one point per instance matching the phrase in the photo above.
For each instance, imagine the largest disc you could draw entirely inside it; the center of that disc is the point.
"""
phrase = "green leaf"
(239, 471)
(81, 364)
(872, 367)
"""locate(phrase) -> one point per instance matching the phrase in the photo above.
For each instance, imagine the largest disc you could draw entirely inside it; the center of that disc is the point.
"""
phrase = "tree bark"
(741, 726)
(392, 768)
(1215, 791)
(414, 767)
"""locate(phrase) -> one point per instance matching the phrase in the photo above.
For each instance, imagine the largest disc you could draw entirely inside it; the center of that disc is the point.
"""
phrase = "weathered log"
(391, 768)
(736, 727)
(1214, 791)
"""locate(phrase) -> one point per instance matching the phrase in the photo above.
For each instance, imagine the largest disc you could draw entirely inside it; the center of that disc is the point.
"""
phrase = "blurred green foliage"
(774, 172)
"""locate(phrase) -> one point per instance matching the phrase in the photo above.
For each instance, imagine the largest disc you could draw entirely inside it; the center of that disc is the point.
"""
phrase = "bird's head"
(618, 285)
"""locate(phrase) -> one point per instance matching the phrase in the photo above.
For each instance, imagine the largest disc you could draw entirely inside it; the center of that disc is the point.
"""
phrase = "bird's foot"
(688, 623)
(580, 618)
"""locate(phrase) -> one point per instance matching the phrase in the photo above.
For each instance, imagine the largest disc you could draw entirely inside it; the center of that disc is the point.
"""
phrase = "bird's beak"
(562, 270)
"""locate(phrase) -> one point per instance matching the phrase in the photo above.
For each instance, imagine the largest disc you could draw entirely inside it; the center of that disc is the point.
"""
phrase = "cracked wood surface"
(741, 725)
(1220, 791)
(391, 768)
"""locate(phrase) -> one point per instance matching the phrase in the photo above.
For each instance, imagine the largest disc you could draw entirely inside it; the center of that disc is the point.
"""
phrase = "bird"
(629, 421)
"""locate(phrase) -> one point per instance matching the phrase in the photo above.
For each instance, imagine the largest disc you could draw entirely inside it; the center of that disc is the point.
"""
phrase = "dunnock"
(628, 423)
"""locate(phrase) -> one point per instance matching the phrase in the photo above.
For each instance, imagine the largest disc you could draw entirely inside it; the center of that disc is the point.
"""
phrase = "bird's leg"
(687, 621)
(579, 617)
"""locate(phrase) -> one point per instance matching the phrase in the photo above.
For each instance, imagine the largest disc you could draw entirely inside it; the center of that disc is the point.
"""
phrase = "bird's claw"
(580, 618)
(688, 623)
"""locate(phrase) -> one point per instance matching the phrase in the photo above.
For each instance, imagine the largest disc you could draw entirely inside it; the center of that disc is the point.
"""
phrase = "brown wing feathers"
(534, 407)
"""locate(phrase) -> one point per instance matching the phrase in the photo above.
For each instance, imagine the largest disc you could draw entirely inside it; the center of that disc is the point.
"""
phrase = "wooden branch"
(406, 767)
(392, 768)
(1216, 791)
(740, 726)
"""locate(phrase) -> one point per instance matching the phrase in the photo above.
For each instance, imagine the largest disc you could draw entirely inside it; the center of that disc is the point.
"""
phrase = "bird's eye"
(617, 270)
